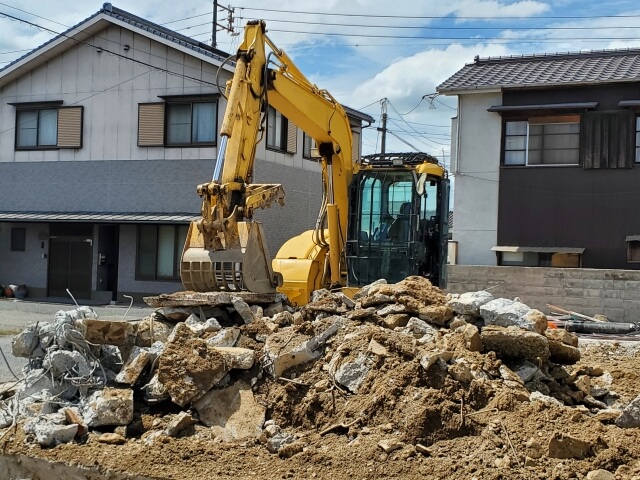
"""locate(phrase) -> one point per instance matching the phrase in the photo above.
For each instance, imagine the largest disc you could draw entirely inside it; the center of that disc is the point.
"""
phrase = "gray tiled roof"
(604, 66)
(100, 217)
(123, 16)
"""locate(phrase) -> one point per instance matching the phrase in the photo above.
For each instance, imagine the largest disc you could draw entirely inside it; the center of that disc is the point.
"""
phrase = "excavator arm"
(225, 249)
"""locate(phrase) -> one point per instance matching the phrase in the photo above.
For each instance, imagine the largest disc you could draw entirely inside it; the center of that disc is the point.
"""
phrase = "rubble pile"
(403, 364)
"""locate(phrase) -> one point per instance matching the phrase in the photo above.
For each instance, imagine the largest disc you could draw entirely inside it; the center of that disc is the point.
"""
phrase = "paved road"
(16, 315)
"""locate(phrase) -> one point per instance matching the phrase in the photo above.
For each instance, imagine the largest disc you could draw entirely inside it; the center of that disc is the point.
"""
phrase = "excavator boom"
(226, 249)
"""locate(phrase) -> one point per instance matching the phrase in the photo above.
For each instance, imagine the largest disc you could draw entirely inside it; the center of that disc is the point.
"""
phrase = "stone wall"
(614, 293)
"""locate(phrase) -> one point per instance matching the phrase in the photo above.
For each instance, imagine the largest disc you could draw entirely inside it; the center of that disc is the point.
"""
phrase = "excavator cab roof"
(419, 161)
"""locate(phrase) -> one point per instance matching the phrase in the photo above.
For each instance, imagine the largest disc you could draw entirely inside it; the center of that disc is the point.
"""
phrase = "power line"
(119, 55)
(475, 38)
(440, 17)
(431, 27)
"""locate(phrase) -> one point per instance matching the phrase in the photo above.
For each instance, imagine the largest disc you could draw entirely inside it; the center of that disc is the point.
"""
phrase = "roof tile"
(594, 67)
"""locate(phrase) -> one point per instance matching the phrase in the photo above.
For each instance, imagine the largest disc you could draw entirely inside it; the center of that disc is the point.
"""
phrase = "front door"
(70, 254)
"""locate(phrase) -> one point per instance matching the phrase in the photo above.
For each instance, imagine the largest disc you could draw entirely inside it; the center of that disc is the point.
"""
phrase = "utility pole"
(214, 25)
(383, 129)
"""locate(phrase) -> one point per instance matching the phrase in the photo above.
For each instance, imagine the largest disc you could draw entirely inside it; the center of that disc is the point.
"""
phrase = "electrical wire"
(439, 17)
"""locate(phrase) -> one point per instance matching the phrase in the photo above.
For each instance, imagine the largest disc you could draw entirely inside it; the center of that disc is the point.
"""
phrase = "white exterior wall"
(110, 89)
(476, 170)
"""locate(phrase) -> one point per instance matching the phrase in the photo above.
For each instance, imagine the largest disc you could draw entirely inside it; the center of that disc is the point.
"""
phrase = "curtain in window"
(48, 127)
(27, 128)
(147, 251)
(166, 248)
(204, 122)
(179, 124)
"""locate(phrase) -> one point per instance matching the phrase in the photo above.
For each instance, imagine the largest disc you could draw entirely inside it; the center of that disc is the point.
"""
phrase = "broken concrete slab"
(25, 342)
(224, 338)
(138, 360)
(419, 328)
(515, 343)
(232, 413)
(562, 336)
(351, 374)
(436, 314)
(243, 309)
(179, 423)
(111, 439)
(469, 303)
(189, 368)
(152, 329)
(395, 321)
(64, 361)
(429, 359)
(237, 358)
(563, 353)
(110, 332)
(284, 350)
(471, 334)
(111, 406)
(630, 417)
(213, 299)
(525, 370)
(50, 435)
(505, 313)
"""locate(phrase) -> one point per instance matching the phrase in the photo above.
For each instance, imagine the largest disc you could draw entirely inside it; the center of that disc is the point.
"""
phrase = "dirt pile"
(401, 381)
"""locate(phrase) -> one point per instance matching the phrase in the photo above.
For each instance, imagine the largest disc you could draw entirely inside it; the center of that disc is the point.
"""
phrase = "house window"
(542, 141)
(37, 128)
(160, 251)
(307, 144)
(638, 139)
(277, 129)
(18, 239)
(48, 127)
(191, 123)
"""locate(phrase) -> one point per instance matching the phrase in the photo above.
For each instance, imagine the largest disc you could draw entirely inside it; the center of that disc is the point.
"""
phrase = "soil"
(474, 431)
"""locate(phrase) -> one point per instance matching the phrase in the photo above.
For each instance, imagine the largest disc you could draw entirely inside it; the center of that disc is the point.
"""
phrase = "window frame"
(307, 141)
(529, 120)
(37, 146)
(637, 149)
(171, 103)
(18, 244)
(177, 253)
(284, 129)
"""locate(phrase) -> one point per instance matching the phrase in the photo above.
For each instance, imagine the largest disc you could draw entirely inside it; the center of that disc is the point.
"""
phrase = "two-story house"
(545, 156)
(105, 132)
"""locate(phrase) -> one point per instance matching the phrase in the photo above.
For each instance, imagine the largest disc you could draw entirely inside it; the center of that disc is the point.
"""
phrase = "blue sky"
(366, 50)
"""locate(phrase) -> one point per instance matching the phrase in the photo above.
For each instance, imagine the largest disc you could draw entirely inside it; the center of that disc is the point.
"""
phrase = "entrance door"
(70, 253)
(107, 275)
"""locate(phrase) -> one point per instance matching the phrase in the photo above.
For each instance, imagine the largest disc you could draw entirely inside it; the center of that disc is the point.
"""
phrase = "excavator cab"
(398, 219)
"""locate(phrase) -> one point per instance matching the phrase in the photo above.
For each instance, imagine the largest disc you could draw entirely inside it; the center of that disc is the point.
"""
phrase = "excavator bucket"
(244, 267)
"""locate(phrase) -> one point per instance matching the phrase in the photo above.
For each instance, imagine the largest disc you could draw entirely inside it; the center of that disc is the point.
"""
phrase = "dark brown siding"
(571, 207)
(607, 96)
(607, 139)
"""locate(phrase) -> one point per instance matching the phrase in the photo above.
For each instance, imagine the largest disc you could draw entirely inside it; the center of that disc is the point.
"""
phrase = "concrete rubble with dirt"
(401, 381)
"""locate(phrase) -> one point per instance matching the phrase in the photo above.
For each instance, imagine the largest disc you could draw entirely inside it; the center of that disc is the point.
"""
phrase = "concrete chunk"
(469, 303)
(630, 417)
(64, 361)
(224, 338)
(243, 309)
(110, 332)
(50, 435)
(515, 343)
(351, 374)
(235, 357)
(134, 366)
(111, 406)
(505, 313)
(25, 342)
(232, 412)
(563, 353)
(179, 423)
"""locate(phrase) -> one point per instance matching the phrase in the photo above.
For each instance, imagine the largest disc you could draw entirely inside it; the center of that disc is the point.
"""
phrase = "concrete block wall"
(614, 293)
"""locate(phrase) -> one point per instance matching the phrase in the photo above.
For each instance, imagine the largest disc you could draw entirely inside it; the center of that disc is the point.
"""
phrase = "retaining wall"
(614, 293)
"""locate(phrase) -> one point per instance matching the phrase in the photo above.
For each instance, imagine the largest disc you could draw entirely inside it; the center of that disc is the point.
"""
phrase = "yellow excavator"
(383, 216)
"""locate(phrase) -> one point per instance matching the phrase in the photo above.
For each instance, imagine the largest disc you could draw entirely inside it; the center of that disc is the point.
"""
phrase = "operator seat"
(401, 226)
